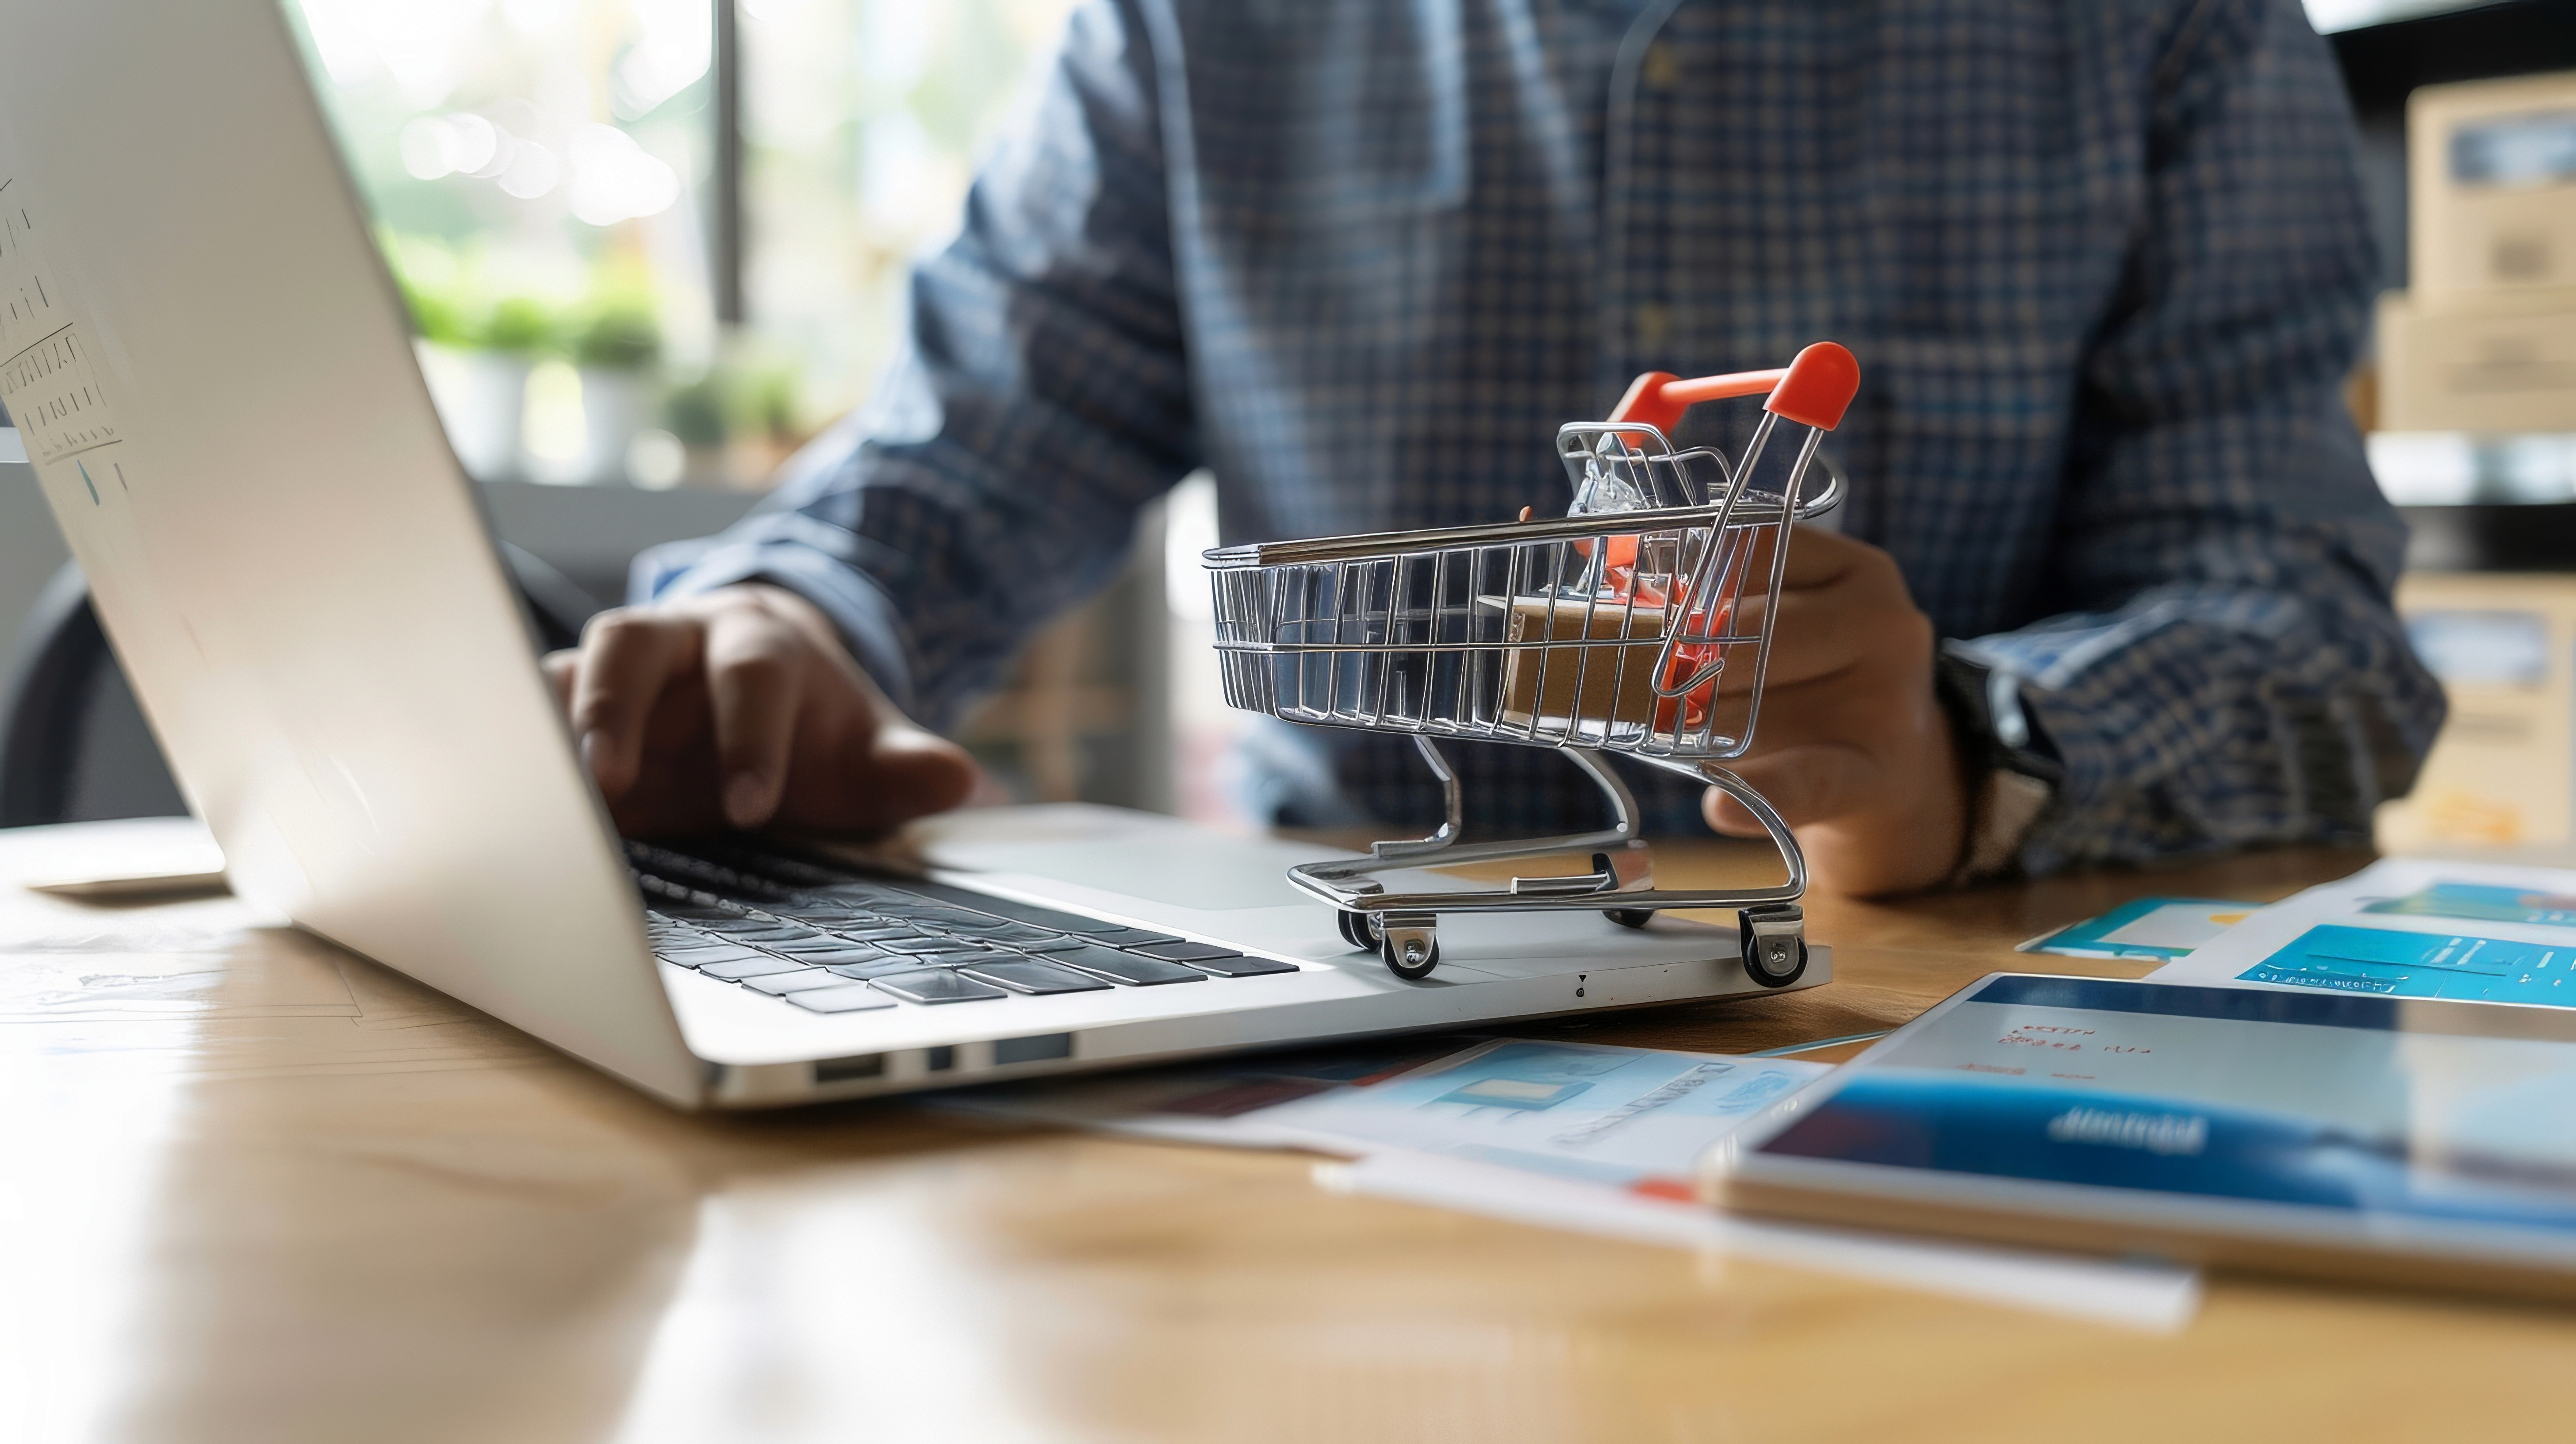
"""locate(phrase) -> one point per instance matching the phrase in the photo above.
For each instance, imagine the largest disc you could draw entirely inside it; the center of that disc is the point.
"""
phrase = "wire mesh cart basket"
(1639, 623)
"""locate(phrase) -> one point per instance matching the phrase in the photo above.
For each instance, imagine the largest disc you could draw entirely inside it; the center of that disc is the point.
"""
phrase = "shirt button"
(1663, 69)
(1654, 323)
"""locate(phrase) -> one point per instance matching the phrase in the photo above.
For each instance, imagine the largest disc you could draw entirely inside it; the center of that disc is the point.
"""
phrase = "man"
(2104, 266)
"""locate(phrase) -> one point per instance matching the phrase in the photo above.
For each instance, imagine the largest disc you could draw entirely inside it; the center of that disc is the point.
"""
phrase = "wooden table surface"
(254, 1188)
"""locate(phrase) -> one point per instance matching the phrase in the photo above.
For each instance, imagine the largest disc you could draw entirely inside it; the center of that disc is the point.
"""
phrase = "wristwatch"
(2013, 774)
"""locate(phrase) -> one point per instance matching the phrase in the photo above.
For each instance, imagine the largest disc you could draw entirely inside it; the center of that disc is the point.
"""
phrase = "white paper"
(2158, 1298)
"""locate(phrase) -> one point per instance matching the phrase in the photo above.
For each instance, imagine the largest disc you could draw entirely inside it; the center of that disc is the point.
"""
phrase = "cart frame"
(1463, 633)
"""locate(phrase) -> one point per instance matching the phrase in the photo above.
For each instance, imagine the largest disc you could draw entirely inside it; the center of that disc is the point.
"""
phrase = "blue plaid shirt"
(2103, 262)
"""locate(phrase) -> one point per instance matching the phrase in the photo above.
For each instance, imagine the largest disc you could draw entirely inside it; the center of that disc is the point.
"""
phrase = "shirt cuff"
(859, 609)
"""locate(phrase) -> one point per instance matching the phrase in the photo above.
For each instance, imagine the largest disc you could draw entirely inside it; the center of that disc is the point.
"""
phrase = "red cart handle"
(1813, 390)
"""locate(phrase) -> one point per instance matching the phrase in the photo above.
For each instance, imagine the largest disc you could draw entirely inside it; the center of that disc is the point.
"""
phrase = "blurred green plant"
(619, 339)
(433, 288)
(519, 326)
(769, 401)
(436, 317)
(450, 296)
(620, 327)
(740, 398)
(698, 414)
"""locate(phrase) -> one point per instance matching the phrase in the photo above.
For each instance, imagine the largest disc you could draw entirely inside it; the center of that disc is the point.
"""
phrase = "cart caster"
(1775, 943)
(1355, 930)
(1410, 944)
(1629, 917)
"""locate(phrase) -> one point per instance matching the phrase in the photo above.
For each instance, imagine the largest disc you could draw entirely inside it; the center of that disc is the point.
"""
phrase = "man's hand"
(741, 708)
(1851, 746)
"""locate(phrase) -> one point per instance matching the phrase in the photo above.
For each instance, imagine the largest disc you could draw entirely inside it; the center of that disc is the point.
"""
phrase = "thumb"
(1803, 784)
(912, 772)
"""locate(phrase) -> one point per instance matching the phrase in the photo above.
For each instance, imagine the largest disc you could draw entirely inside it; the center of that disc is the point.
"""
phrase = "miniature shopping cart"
(1638, 623)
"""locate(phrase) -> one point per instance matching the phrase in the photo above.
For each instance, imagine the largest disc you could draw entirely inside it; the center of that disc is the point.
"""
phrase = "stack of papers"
(1577, 1136)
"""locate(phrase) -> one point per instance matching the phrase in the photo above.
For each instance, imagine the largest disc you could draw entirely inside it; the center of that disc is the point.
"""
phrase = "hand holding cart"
(1639, 623)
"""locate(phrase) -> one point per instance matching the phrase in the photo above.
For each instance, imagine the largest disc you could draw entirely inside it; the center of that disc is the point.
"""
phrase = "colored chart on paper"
(2422, 965)
(2483, 903)
(2150, 928)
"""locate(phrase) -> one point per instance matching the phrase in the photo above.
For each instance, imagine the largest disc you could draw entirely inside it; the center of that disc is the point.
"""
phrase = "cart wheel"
(1775, 943)
(1355, 930)
(1629, 917)
(1410, 946)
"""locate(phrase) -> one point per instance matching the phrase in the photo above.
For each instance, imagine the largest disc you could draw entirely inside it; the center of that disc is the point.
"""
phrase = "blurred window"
(544, 175)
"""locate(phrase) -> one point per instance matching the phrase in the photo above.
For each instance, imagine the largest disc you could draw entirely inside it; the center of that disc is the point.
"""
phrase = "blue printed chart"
(2422, 965)
(2482, 903)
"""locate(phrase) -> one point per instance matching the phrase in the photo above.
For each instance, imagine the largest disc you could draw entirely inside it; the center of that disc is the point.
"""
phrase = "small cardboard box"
(2503, 772)
(1617, 684)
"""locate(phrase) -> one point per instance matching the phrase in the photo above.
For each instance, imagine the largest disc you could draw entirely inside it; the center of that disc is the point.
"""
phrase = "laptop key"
(928, 945)
(758, 965)
(1132, 938)
(884, 967)
(1183, 952)
(699, 953)
(781, 984)
(1016, 934)
(756, 930)
(1126, 968)
(847, 998)
(976, 957)
(1236, 965)
(699, 916)
(820, 950)
(936, 985)
(871, 932)
(1026, 975)
(823, 910)
(1055, 944)
(1077, 923)
(958, 920)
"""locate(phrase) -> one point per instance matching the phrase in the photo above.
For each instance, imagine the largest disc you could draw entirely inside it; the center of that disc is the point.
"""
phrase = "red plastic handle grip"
(1813, 390)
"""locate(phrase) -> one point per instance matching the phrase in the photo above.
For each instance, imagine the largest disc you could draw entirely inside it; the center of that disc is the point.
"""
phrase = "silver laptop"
(210, 371)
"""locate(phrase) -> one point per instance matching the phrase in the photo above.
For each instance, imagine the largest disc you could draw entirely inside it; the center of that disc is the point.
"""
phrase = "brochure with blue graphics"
(2408, 928)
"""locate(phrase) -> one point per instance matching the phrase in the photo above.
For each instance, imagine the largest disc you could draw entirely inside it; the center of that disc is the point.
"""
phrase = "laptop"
(211, 374)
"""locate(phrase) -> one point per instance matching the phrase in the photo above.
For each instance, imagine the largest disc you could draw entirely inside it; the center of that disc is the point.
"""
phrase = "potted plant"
(513, 336)
(480, 396)
(618, 350)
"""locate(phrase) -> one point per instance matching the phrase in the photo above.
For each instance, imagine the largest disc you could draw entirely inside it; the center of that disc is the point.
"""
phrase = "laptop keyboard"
(831, 942)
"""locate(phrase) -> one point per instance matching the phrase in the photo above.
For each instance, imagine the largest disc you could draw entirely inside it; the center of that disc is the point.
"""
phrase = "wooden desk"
(256, 1189)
